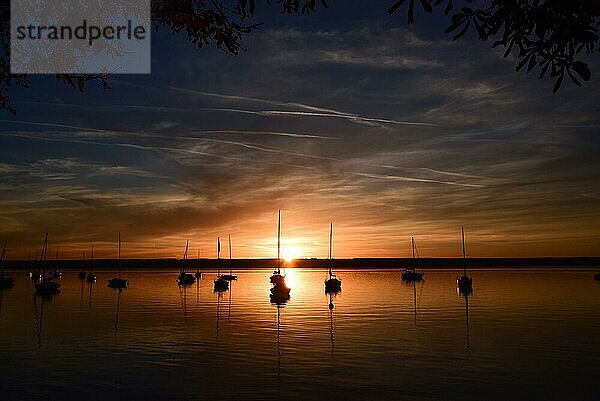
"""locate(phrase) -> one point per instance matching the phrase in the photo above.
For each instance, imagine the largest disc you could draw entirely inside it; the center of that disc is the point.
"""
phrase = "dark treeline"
(356, 263)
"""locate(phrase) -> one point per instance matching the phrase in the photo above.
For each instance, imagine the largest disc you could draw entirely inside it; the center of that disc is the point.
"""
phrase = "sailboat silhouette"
(118, 282)
(280, 292)
(464, 283)
(6, 281)
(184, 277)
(220, 283)
(332, 284)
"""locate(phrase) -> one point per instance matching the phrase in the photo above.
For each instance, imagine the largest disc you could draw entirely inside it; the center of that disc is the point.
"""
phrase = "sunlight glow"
(290, 252)
(291, 277)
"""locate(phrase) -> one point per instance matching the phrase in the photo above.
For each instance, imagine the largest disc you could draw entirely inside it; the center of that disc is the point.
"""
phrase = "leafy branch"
(549, 35)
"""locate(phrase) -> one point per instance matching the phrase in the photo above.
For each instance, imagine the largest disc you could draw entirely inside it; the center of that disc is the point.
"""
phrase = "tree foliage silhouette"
(549, 35)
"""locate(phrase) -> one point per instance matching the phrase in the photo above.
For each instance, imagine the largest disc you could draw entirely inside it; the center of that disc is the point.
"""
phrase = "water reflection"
(413, 284)
(331, 307)
(279, 306)
(91, 287)
(229, 305)
(1, 301)
(119, 292)
(219, 297)
(198, 292)
(183, 289)
(38, 315)
(466, 297)
(364, 344)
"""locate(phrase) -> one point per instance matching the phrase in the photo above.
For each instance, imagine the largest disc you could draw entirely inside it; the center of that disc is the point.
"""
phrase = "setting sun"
(290, 252)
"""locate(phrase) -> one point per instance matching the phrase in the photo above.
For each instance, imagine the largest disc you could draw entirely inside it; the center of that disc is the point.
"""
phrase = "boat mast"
(230, 270)
(462, 232)
(412, 242)
(2, 259)
(330, 246)
(119, 253)
(185, 255)
(218, 256)
(278, 240)
(43, 254)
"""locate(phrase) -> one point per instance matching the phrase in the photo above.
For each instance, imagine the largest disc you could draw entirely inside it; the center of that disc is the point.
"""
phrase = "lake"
(522, 335)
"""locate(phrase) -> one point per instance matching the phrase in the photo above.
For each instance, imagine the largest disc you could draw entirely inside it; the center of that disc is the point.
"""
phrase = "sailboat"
(280, 292)
(198, 274)
(91, 277)
(464, 283)
(118, 282)
(597, 276)
(82, 274)
(185, 277)
(332, 284)
(411, 273)
(56, 273)
(46, 285)
(230, 276)
(220, 283)
(6, 281)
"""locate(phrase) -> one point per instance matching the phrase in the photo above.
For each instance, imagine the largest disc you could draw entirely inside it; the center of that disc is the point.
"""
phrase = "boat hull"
(281, 289)
(597, 276)
(118, 283)
(221, 285)
(47, 287)
(333, 285)
(229, 277)
(409, 275)
(465, 284)
(280, 293)
(277, 278)
(6, 282)
(91, 277)
(198, 275)
(186, 278)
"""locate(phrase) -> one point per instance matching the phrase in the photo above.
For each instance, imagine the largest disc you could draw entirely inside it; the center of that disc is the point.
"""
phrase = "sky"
(345, 115)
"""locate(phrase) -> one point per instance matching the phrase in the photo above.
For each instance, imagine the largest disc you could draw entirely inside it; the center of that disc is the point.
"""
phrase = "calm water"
(532, 335)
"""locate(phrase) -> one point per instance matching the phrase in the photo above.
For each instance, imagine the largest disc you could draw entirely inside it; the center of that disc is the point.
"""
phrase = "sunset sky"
(344, 116)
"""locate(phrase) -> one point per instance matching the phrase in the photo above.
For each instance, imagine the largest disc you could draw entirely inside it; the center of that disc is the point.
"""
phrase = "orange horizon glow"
(307, 236)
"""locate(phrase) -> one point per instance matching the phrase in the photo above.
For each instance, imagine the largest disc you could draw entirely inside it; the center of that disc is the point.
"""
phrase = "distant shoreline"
(356, 263)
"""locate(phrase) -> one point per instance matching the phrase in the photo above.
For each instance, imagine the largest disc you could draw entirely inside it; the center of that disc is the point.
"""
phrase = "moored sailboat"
(46, 285)
(332, 284)
(411, 274)
(118, 282)
(280, 292)
(56, 273)
(220, 283)
(230, 276)
(91, 277)
(185, 277)
(464, 283)
(6, 281)
(198, 274)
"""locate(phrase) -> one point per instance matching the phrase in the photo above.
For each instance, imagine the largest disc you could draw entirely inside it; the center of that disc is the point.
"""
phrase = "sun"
(290, 252)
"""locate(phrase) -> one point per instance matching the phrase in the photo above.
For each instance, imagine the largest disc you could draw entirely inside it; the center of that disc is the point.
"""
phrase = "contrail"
(411, 179)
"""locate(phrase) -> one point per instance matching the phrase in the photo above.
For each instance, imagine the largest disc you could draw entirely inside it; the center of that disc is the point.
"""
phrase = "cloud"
(383, 131)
